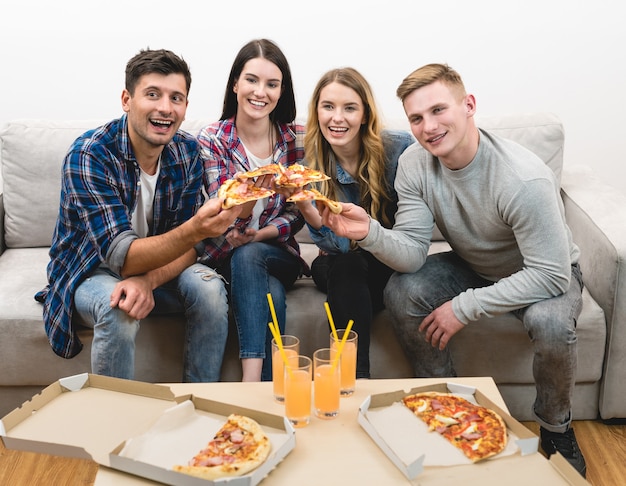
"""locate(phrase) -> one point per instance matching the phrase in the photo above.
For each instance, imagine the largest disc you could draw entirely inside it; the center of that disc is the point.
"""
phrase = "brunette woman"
(258, 254)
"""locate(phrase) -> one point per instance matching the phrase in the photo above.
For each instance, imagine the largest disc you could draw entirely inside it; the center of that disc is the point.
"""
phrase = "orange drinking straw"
(330, 320)
(342, 343)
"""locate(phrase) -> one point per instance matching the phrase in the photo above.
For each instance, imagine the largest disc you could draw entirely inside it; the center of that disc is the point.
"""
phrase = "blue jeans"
(254, 270)
(198, 292)
(550, 323)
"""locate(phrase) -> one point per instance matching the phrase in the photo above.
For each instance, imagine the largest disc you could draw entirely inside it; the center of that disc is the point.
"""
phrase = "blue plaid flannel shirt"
(99, 190)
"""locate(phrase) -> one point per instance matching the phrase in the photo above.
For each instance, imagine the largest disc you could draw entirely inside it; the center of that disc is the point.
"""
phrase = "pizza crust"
(236, 192)
(253, 459)
(222, 192)
(314, 194)
(269, 169)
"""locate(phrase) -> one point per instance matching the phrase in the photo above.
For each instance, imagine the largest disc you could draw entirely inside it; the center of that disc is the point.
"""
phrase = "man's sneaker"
(566, 444)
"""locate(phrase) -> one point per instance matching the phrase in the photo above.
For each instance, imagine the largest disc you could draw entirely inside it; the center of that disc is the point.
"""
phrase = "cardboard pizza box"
(415, 451)
(93, 417)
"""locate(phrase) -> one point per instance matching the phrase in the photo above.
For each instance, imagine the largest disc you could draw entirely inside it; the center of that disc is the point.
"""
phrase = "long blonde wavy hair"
(371, 170)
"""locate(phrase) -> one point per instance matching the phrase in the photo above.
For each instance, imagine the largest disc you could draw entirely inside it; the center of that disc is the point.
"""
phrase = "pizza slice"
(476, 430)
(269, 169)
(239, 447)
(236, 192)
(314, 194)
(298, 175)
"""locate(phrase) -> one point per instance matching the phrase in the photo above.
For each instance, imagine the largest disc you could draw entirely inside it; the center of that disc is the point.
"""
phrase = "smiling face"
(441, 120)
(341, 114)
(155, 110)
(258, 88)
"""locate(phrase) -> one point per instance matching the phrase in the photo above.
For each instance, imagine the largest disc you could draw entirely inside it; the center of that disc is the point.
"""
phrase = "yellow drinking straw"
(330, 320)
(276, 332)
(342, 343)
(279, 343)
(272, 310)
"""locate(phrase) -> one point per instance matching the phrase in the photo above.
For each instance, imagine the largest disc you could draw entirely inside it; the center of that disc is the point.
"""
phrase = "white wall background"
(66, 58)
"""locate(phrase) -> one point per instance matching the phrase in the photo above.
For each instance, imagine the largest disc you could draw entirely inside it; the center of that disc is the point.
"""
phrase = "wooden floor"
(603, 445)
(604, 448)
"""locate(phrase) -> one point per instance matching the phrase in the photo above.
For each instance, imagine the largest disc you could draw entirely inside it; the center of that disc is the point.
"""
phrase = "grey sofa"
(31, 153)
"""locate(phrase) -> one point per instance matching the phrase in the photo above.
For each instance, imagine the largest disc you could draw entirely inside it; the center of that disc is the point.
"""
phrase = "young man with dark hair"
(131, 214)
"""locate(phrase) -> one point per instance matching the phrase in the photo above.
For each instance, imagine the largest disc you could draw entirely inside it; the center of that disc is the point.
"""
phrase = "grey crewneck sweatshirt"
(502, 213)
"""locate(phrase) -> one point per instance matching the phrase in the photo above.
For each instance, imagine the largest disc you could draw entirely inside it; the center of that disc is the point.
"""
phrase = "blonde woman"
(345, 140)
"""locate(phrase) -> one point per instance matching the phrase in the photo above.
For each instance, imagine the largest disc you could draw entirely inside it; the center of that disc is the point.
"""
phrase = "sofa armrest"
(2, 247)
(596, 214)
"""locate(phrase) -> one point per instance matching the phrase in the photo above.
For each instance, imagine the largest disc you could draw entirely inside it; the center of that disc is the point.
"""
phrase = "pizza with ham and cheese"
(314, 194)
(241, 189)
(239, 447)
(298, 175)
(237, 192)
(477, 431)
(269, 169)
(295, 175)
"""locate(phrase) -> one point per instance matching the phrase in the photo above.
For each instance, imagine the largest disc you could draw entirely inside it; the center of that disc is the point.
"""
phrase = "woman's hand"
(237, 238)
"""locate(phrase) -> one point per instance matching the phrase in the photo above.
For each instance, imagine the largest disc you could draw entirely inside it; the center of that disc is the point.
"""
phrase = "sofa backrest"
(32, 151)
(541, 133)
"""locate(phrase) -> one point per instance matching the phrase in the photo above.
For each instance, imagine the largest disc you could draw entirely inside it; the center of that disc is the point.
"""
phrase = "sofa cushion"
(27, 358)
(2, 245)
(32, 152)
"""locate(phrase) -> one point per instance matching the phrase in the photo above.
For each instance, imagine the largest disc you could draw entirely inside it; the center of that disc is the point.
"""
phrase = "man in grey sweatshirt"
(498, 206)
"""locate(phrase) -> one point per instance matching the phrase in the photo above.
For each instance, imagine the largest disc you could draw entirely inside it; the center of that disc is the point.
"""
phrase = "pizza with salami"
(269, 169)
(298, 175)
(295, 175)
(236, 192)
(477, 431)
(239, 447)
(314, 194)
(240, 189)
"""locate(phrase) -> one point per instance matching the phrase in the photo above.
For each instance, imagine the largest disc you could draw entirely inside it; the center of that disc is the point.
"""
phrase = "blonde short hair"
(429, 74)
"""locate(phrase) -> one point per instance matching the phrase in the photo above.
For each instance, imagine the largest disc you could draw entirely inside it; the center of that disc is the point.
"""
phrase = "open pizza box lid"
(96, 417)
(415, 451)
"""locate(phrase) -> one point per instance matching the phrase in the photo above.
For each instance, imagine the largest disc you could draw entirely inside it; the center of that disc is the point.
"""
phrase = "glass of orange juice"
(326, 384)
(347, 360)
(291, 346)
(298, 390)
